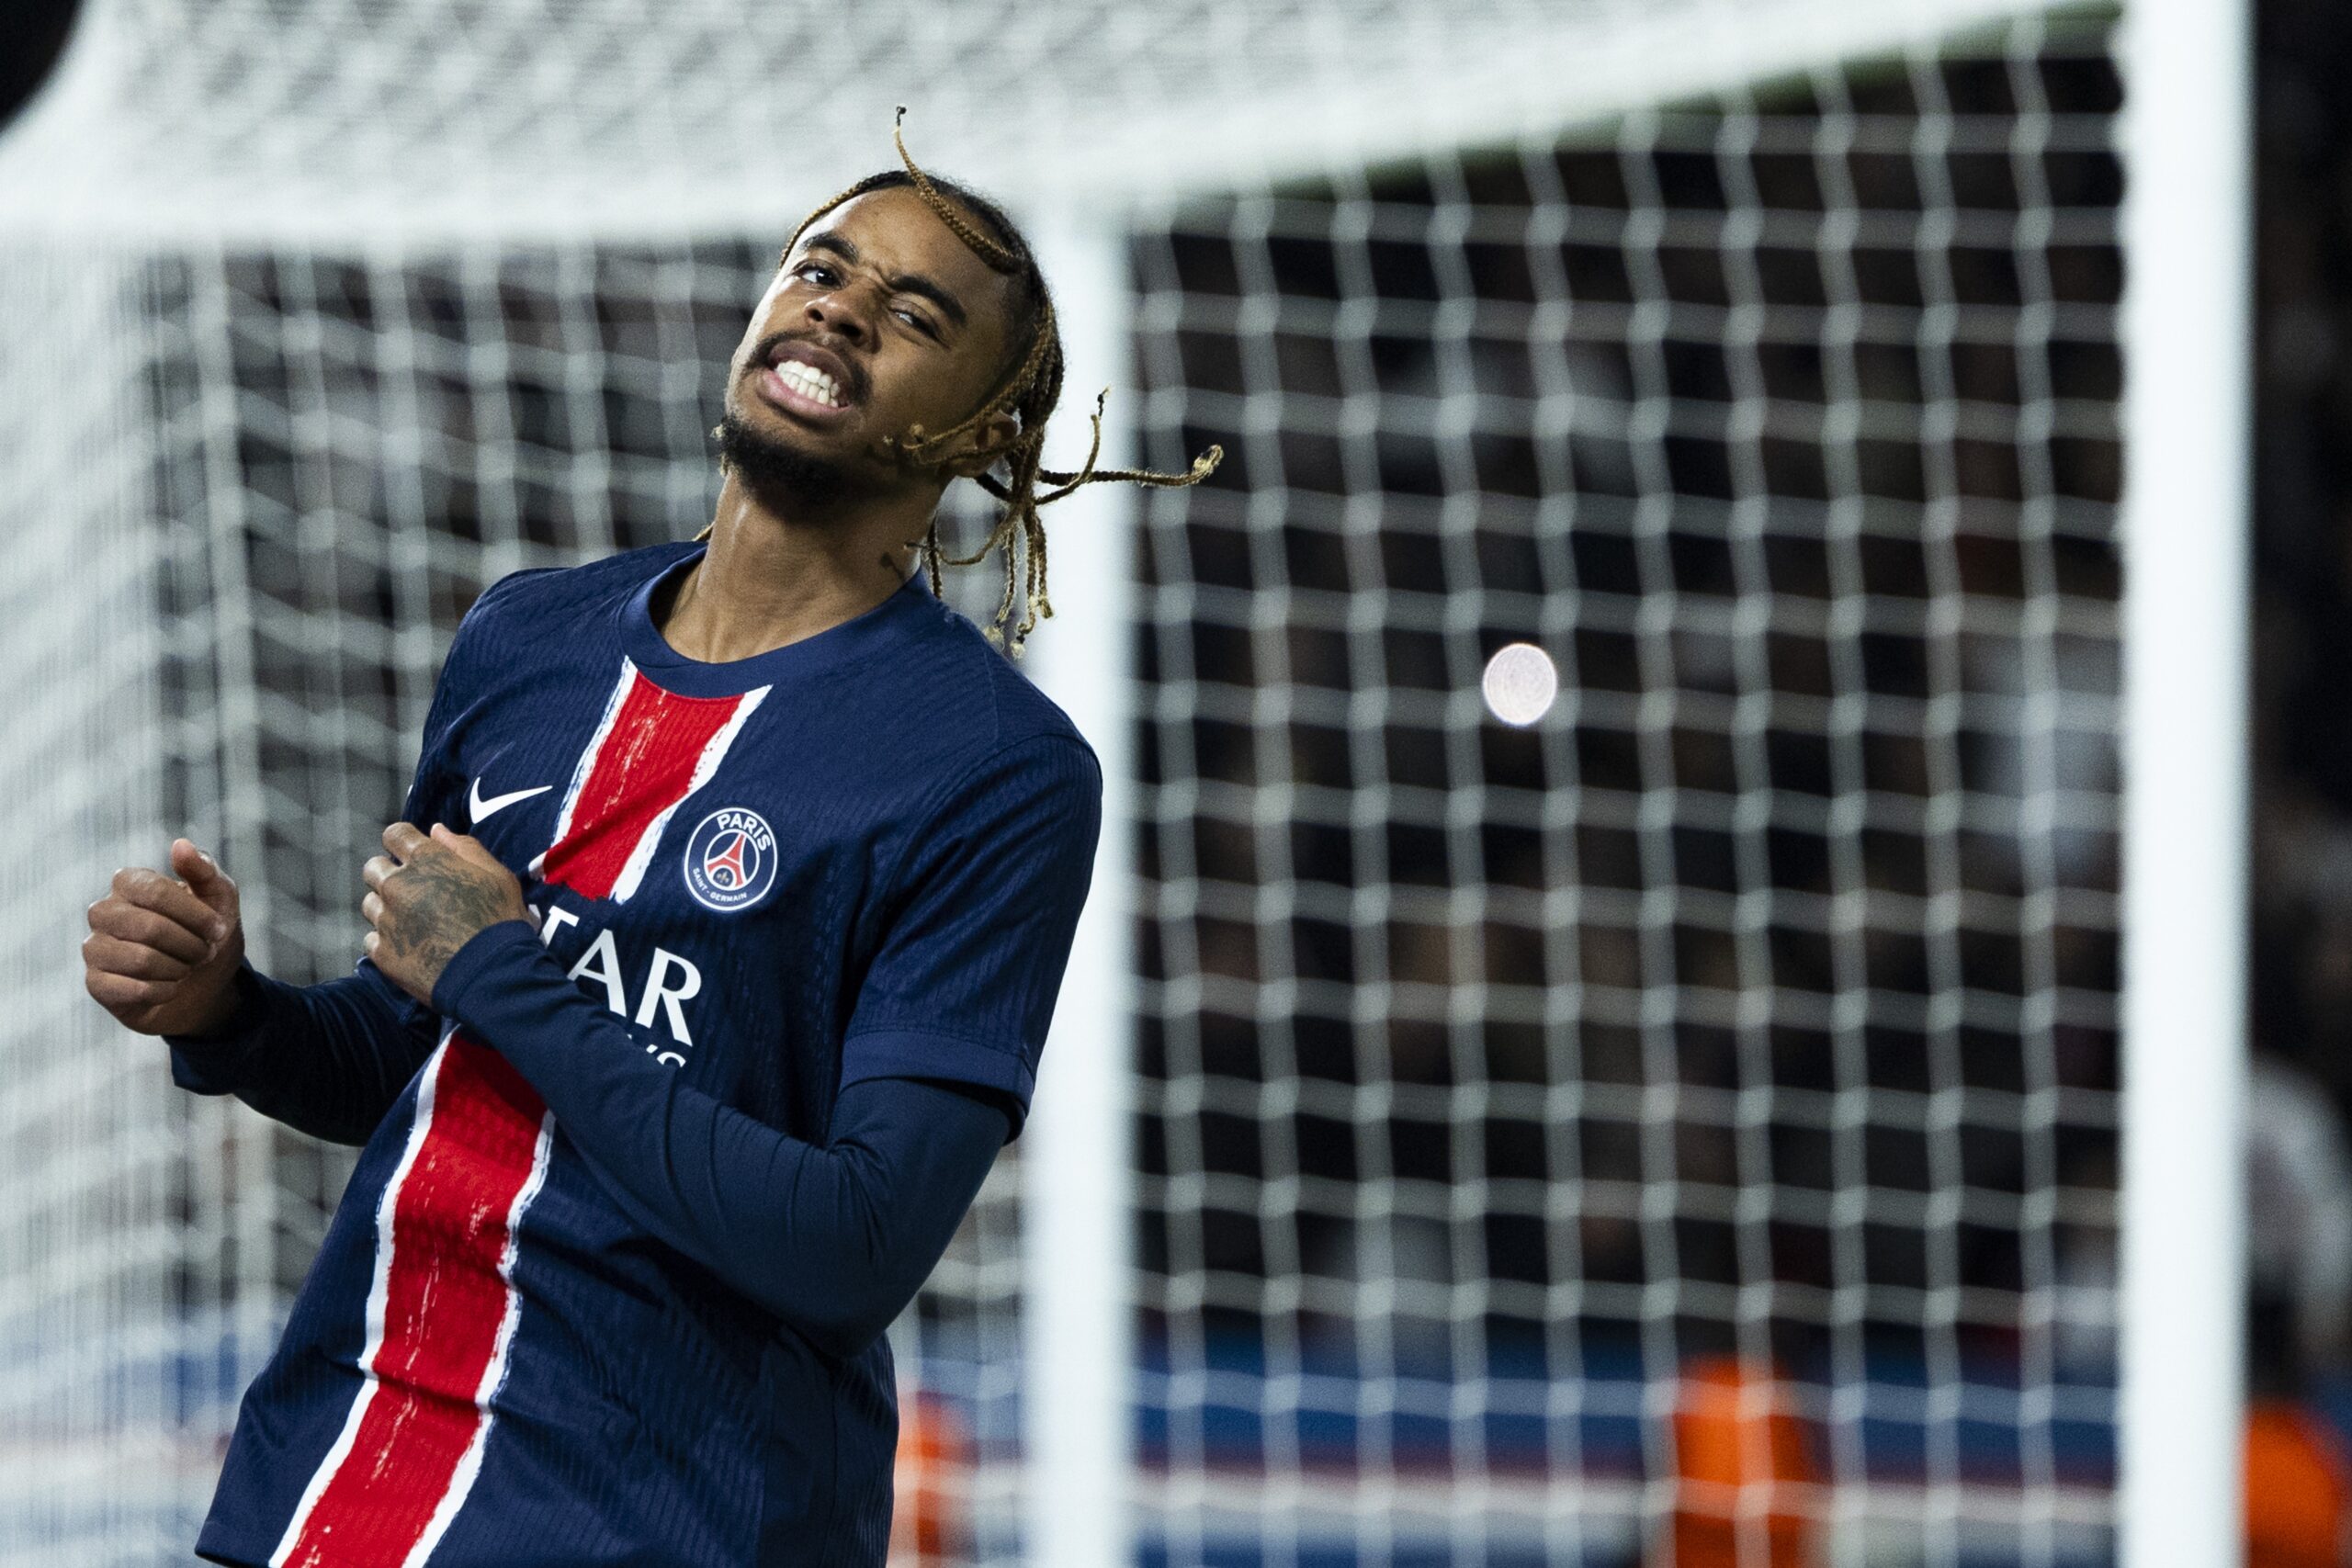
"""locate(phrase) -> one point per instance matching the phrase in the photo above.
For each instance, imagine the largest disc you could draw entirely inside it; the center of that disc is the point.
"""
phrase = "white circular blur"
(1520, 683)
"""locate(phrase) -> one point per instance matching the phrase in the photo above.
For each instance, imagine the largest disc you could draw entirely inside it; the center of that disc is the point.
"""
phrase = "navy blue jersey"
(759, 883)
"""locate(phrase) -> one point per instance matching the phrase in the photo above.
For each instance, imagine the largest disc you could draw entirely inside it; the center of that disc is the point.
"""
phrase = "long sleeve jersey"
(792, 910)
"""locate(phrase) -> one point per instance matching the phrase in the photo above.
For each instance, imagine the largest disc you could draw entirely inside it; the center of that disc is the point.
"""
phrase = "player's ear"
(985, 444)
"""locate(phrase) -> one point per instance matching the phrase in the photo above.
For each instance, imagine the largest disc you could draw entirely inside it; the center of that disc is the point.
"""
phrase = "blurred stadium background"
(1683, 1130)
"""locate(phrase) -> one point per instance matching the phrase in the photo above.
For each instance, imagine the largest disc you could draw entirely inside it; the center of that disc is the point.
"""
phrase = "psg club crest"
(730, 860)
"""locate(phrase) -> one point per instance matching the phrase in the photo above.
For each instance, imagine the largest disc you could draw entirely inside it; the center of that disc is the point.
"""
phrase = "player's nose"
(838, 313)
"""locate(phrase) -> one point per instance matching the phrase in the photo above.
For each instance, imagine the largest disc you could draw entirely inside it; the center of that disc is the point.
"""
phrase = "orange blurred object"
(928, 1523)
(2298, 1488)
(1743, 1472)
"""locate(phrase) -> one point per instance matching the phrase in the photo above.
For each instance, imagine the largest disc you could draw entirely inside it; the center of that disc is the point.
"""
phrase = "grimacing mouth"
(847, 379)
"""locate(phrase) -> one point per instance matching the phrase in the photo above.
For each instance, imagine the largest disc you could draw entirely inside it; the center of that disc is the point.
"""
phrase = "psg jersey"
(858, 856)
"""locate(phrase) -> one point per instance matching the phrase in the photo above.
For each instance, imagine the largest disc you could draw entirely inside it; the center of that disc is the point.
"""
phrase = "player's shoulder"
(538, 593)
(545, 618)
(998, 715)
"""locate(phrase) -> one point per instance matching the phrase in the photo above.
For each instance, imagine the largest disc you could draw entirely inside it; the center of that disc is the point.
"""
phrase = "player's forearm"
(328, 1060)
(834, 1240)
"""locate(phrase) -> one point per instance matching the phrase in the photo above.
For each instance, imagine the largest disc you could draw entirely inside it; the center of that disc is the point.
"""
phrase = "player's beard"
(777, 469)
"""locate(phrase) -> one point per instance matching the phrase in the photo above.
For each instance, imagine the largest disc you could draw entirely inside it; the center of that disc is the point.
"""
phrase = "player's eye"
(811, 270)
(918, 320)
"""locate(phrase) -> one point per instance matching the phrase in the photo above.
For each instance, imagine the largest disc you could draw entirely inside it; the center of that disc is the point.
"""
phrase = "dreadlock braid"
(1000, 257)
(1030, 392)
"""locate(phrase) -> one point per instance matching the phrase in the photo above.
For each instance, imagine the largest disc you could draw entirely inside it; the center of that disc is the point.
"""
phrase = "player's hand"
(163, 947)
(428, 898)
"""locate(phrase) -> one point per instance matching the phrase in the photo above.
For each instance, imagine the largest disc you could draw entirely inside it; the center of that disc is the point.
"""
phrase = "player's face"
(880, 319)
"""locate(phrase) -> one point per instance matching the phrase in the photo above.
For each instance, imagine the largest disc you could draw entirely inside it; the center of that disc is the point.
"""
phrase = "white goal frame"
(2187, 493)
(1083, 171)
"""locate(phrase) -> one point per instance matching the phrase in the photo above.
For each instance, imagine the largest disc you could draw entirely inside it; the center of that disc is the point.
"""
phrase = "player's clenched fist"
(428, 898)
(163, 947)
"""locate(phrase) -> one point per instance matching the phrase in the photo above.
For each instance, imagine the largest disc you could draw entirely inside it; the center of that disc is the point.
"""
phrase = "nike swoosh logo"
(478, 807)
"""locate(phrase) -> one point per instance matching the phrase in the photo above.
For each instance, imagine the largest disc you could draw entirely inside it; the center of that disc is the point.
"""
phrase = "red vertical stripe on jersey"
(645, 767)
(444, 1301)
(410, 1447)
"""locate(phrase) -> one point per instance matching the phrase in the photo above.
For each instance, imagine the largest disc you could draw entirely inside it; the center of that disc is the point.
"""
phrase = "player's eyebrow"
(904, 283)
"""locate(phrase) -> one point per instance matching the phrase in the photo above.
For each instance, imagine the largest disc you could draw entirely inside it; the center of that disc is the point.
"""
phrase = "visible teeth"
(810, 382)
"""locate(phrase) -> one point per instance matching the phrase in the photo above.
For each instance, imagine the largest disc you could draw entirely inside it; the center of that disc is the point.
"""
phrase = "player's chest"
(665, 811)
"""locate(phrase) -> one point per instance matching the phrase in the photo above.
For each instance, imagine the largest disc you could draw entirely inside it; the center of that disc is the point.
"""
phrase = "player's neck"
(769, 581)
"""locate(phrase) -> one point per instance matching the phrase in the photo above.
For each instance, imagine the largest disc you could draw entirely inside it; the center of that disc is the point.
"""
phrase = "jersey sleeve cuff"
(208, 1063)
(911, 1054)
(484, 954)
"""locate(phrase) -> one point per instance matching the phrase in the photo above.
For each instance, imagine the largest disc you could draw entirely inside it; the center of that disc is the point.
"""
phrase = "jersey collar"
(894, 619)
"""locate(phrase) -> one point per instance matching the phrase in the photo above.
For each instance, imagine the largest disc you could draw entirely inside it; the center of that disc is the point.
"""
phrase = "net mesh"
(1689, 1113)
(90, 1395)
(1682, 1119)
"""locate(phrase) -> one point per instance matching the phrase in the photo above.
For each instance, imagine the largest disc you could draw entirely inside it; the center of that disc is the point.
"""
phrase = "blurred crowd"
(2301, 1201)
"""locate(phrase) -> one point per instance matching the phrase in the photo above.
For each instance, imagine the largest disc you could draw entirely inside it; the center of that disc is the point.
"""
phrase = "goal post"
(1078, 1336)
(2187, 741)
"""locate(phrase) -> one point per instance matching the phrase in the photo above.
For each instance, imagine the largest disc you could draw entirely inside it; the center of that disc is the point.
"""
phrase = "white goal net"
(1680, 1125)
(1744, 1027)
